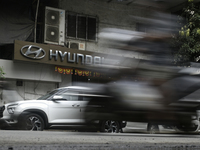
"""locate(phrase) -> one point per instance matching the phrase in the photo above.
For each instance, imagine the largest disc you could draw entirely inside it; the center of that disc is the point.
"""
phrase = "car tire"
(153, 128)
(110, 126)
(32, 122)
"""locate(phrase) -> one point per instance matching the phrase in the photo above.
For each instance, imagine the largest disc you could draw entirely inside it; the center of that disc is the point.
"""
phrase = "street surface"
(62, 139)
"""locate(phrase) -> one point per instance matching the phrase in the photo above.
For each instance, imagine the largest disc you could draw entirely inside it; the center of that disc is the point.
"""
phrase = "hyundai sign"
(56, 55)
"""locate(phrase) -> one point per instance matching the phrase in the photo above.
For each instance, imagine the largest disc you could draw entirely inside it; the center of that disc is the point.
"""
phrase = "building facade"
(66, 32)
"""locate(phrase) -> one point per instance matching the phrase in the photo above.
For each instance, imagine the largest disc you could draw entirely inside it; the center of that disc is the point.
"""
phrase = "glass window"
(69, 95)
(48, 95)
(81, 30)
(71, 25)
(81, 26)
(85, 98)
(91, 32)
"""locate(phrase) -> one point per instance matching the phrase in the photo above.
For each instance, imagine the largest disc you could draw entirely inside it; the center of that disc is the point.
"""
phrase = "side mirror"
(56, 97)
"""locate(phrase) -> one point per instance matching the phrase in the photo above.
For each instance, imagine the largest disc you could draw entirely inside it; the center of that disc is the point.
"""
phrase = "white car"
(62, 107)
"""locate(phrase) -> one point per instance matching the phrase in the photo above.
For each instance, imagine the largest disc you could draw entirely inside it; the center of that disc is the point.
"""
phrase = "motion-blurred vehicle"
(142, 102)
(148, 89)
(62, 107)
(143, 127)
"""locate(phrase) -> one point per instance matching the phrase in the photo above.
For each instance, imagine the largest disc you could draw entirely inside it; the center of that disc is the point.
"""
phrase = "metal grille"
(2, 108)
(91, 29)
(71, 25)
(81, 33)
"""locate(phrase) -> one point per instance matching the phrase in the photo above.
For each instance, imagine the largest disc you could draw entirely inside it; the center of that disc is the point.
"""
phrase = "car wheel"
(153, 128)
(33, 122)
(110, 126)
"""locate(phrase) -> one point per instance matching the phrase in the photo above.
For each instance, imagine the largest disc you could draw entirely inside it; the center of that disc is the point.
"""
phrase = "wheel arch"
(39, 112)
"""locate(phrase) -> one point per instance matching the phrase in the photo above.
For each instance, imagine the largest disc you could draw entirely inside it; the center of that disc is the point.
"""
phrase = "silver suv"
(62, 107)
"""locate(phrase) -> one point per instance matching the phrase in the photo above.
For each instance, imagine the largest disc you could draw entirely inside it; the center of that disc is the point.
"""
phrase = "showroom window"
(80, 26)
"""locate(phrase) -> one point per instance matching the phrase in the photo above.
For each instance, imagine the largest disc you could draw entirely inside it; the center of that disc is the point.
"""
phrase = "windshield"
(44, 97)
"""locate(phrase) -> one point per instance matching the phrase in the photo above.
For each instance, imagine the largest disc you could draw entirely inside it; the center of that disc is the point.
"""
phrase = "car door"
(83, 101)
(65, 108)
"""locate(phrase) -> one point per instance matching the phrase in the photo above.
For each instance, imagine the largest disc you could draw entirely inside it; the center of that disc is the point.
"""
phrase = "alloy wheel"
(34, 123)
(111, 126)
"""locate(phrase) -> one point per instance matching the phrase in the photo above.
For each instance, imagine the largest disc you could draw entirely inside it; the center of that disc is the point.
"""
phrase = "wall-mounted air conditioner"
(54, 30)
(76, 45)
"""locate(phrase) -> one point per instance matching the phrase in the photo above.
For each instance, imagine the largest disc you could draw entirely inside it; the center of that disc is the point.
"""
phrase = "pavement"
(64, 140)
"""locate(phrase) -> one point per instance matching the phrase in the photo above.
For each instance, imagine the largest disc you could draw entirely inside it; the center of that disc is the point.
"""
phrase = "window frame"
(80, 15)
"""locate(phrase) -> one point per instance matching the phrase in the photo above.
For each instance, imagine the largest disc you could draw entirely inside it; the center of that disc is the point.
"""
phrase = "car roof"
(91, 87)
(76, 87)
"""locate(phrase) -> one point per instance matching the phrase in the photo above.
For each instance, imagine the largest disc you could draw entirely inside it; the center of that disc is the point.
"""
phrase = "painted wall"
(29, 71)
(37, 80)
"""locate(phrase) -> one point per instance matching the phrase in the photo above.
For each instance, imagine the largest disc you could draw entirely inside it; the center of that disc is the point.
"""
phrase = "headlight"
(11, 108)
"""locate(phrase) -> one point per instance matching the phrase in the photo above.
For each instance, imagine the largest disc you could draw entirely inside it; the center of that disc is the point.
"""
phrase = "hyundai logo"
(33, 52)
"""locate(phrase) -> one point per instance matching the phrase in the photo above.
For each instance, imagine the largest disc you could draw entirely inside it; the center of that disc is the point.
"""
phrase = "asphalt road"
(54, 139)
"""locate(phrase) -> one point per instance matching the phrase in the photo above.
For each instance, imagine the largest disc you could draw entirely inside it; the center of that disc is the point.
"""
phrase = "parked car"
(62, 107)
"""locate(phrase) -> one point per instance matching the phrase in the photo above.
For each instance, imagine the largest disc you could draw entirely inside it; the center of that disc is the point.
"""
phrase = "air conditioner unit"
(76, 45)
(54, 30)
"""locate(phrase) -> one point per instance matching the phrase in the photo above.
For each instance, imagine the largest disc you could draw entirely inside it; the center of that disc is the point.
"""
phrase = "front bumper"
(2, 108)
(3, 124)
(7, 120)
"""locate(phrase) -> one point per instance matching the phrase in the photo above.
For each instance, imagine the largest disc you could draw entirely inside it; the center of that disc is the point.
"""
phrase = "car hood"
(26, 101)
